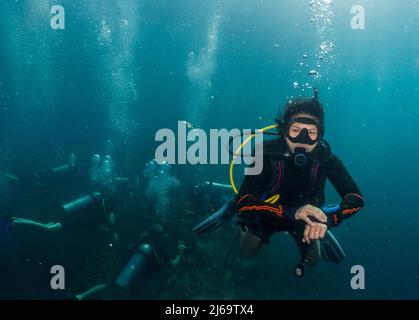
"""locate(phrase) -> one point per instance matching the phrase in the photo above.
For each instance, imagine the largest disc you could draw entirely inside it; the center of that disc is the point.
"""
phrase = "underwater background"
(123, 69)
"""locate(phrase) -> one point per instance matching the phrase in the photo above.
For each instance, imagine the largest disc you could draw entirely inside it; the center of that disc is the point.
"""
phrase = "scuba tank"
(144, 253)
(83, 203)
(128, 275)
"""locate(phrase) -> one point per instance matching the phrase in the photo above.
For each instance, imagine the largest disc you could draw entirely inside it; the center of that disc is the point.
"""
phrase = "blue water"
(122, 70)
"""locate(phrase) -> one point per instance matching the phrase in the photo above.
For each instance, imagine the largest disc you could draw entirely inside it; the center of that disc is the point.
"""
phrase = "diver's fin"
(11, 176)
(216, 220)
(29, 178)
(331, 249)
(5, 227)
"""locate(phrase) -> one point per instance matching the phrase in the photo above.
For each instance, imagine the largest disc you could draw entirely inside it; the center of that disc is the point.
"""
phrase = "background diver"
(46, 177)
(145, 256)
(94, 210)
(289, 193)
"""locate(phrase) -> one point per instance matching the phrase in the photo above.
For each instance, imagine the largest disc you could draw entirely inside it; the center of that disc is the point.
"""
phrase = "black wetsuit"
(267, 202)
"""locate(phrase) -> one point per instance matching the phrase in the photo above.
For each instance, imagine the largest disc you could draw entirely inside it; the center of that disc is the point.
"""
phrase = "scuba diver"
(46, 177)
(288, 194)
(94, 210)
(146, 255)
(73, 169)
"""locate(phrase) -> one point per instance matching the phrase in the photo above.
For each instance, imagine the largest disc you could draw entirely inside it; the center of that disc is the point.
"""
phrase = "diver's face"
(296, 128)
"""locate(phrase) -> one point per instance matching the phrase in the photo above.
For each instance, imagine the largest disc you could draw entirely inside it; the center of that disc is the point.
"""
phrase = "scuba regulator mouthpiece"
(300, 156)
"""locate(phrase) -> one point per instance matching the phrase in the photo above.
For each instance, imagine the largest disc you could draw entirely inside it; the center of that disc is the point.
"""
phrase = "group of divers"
(288, 196)
(97, 209)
